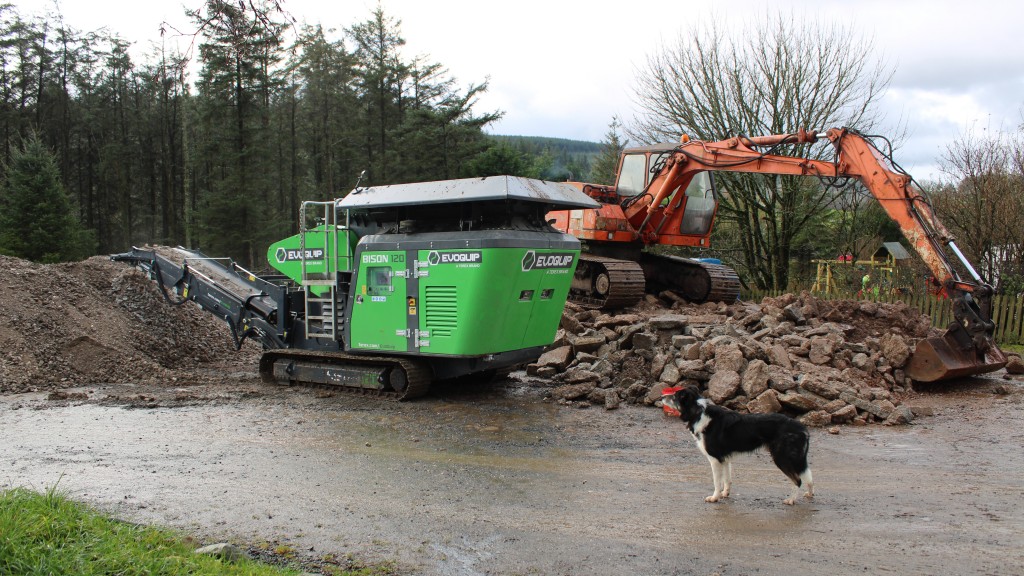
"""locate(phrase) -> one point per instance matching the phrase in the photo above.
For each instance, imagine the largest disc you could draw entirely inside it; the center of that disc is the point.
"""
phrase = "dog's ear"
(689, 394)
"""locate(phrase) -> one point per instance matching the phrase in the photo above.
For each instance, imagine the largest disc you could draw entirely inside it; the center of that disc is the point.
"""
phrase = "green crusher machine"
(393, 287)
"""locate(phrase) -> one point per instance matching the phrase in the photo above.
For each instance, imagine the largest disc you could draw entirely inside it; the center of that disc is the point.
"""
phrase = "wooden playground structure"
(887, 271)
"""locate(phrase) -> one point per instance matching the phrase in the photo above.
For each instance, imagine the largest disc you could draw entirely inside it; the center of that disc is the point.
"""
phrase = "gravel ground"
(500, 481)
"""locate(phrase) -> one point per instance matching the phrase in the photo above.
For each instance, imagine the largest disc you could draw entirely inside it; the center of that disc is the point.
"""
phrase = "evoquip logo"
(436, 258)
(283, 255)
(534, 261)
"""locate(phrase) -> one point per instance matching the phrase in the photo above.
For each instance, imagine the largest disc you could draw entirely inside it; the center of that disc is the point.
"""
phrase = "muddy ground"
(144, 409)
(499, 481)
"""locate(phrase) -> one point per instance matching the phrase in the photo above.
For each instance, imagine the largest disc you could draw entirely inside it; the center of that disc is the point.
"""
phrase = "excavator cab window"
(699, 211)
(633, 175)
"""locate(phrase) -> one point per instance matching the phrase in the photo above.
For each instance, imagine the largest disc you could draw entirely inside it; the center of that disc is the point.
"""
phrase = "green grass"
(49, 534)
(1015, 348)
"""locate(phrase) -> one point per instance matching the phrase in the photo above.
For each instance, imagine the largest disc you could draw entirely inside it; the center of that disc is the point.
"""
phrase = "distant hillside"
(559, 158)
(542, 142)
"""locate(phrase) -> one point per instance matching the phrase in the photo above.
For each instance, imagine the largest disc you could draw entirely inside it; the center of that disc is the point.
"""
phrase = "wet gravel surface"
(499, 481)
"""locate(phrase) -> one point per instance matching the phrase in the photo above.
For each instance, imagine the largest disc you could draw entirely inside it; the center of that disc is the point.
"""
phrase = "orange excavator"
(665, 195)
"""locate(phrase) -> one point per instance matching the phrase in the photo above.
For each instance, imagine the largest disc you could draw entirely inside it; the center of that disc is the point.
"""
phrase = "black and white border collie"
(721, 434)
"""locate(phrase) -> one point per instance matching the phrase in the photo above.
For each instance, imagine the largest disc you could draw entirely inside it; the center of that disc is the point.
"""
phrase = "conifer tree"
(37, 219)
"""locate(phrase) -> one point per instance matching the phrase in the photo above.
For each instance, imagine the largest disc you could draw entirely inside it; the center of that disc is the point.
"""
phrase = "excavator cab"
(696, 205)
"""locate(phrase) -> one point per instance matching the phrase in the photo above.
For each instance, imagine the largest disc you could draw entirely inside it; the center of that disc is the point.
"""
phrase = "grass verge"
(42, 534)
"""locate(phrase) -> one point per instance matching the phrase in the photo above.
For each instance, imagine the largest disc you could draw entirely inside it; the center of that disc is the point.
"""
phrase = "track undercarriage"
(606, 283)
(393, 377)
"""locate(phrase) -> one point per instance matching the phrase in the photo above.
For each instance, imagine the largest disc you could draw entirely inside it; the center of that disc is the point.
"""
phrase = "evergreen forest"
(215, 147)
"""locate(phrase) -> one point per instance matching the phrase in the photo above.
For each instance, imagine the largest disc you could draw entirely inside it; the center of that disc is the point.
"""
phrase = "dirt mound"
(98, 321)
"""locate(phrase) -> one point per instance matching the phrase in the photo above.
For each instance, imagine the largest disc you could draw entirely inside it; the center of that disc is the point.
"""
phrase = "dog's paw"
(789, 501)
(712, 498)
(725, 493)
(809, 495)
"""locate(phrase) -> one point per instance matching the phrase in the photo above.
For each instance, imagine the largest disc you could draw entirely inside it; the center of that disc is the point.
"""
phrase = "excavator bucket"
(953, 355)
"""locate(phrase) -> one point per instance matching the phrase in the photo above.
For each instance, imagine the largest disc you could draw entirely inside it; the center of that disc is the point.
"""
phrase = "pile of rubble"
(826, 362)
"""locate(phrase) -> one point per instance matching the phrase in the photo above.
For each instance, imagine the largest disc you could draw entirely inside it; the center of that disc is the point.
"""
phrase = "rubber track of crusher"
(418, 373)
(626, 283)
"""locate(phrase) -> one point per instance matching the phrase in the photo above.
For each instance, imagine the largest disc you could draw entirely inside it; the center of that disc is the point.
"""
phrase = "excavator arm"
(968, 346)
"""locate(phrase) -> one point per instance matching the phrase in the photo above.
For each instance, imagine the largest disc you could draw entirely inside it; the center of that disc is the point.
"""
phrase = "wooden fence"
(1007, 311)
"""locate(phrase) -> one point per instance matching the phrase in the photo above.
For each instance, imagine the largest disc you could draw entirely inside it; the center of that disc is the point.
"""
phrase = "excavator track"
(606, 283)
(391, 377)
(694, 280)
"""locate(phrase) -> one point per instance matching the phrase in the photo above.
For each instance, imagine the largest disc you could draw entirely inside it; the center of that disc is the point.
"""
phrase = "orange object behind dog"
(670, 411)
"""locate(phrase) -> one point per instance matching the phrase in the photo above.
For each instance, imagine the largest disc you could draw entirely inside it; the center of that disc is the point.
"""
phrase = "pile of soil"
(97, 321)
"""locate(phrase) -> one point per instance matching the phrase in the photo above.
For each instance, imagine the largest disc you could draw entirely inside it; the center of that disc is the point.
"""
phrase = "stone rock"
(658, 365)
(692, 352)
(820, 387)
(794, 312)
(834, 406)
(1014, 365)
(572, 391)
(680, 341)
(570, 324)
(861, 361)
(816, 419)
(766, 403)
(636, 390)
(755, 378)
(587, 343)
(693, 370)
(873, 408)
(885, 408)
(737, 403)
(644, 341)
(611, 400)
(845, 414)
(778, 356)
(579, 376)
(899, 416)
(730, 358)
(541, 371)
(723, 385)
(669, 374)
(654, 393)
(627, 333)
(801, 401)
(557, 358)
(669, 322)
(224, 551)
(895, 349)
(821, 351)
(603, 367)
(780, 379)
(615, 320)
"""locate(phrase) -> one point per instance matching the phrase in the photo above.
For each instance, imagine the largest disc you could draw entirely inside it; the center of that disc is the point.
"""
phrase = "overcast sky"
(564, 68)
